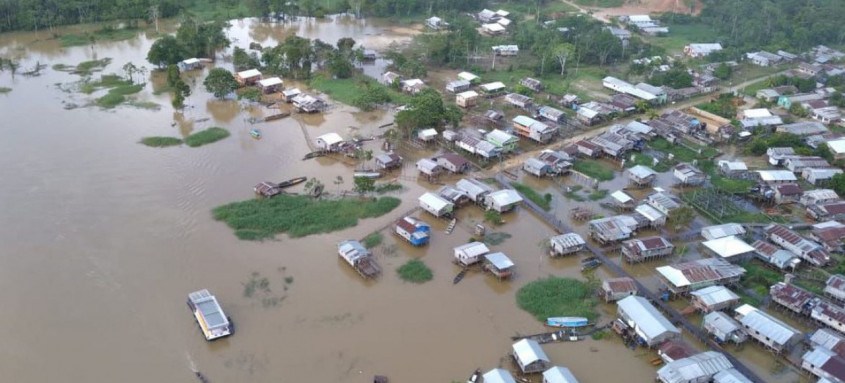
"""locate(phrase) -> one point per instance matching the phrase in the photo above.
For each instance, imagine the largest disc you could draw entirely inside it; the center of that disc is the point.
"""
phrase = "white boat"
(567, 322)
(209, 315)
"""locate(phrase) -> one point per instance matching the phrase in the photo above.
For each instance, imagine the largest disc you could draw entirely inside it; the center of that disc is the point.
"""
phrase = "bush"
(555, 296)
(372, 240)
(110, 100)
(207, 136)
(415, 271)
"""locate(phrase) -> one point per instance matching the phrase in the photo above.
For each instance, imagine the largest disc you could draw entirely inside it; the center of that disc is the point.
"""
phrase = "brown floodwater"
(103, 238)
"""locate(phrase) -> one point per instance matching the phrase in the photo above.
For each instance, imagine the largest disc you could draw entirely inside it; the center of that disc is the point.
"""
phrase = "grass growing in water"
(545, 202)
(598, 194)
(161, 142)
(372, 240)
(595, 169)
(104, 34)
(415, 271)
(206, 136)
(347, 90)
(86, 67)
(110, 100)
(389, 187)
(553, 296)
(4, 89)
(298, 216)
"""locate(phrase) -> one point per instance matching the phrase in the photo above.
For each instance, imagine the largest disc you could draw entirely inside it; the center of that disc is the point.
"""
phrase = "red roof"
(787, 235)
(837, 282)
(587, 144)
(789, 189)
(676, 349)
(834, 208)
(765, 248)
(830, 234)
(652, 243)
(621, 285)
(406, 224)
(790, 296)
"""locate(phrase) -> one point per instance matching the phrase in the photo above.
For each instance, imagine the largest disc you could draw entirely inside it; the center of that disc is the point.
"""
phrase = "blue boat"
(567, 322)
(255, 133)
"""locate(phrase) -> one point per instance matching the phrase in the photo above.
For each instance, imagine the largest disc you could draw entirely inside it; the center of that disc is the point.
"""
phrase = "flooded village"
(586, 227)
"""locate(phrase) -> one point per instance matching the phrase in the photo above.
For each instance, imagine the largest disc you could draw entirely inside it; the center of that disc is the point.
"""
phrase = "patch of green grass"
(682, 153)
(87, 67)
(206, 136)
(126, 89)
(601, 3)
(554, 296)
(544, 201)
(646, 160)
(346, 90)
(681, 35)
(149, 105)
(4, 89)
(757, 276)
(298, 216)
(105, 34)
(598, 335)
(252, 94)
(372, 240)
(598, 194)
(110, 100)
(547, 8)
(415, 271)
(161, 141)
(595, 169)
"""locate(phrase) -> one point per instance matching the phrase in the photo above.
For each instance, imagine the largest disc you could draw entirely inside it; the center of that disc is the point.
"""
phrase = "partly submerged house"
(466, 99)
(694, 369)
(530, 357)
(271, 85)
(645, 249)
(498, 264)
(436, 205)
(413, 230)
(248, 77)
(503, 200)
(713, 298)
(615, 289)
(470, 253)
(724, 328)
(565, 244)
(684, 277)
(533, 129)
(503, 140)
(768, 330)
(646, 321)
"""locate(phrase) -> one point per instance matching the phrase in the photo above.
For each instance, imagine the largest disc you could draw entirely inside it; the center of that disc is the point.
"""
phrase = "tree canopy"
(193, 39)
(220, 82)
(427, 110)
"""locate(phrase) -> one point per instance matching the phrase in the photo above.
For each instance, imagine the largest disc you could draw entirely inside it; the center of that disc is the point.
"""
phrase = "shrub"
(207, 136)
(161, 142)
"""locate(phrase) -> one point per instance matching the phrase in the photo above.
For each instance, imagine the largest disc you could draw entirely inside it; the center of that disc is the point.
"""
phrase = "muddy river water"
(102, 239)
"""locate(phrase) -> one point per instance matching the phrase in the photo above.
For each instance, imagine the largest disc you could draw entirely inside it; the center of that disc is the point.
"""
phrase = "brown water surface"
(102, 239)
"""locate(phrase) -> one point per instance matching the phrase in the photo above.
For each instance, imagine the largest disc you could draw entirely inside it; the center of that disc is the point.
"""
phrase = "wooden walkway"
(673, 315)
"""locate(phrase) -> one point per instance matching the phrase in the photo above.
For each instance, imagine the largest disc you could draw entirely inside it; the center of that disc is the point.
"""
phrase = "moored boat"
(366, 175)
(255, 133)
(567, 322)
(209, 315)
(291, 182)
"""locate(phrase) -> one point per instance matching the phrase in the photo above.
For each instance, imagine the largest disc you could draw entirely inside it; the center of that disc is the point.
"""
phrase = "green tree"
(681, 217)
(364, 185)
(371, 96)
(837, 183)
(165, 51)
(340, 65)
(243, 60)
(427, 110)
(723, 71)
(798, 110)
(220, 82)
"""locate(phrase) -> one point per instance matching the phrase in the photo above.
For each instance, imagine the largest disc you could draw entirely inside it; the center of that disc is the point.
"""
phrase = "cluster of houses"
(763, 58)
(652, 212)
(442, 203)
(410, 86)
(530, 358)
(303, 102)
(644, 24)
(494, 22)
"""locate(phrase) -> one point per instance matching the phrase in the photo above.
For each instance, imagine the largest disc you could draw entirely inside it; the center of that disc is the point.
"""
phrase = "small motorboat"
(255, 133)
(567, 322)
(590, 263)
(475, 377)
(366, 175)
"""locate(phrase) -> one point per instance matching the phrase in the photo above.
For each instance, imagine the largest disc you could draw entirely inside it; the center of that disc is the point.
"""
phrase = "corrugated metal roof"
(777, 175)
(765, 324)
(473, 187)
(730, 375)
(501, 261)
(699, 366)
(568, 240)
(721, 322)
(641, 171)
(620, 285)
(699, 271)
(649, 212)
(472, 249)
(498, 375)
(528, 350)
(505, 197)
(621, 197)
(720, 231)
(648, 320)
(714, 295)
(828, 339)
(558, 374)
(727, 247)
(434, 201)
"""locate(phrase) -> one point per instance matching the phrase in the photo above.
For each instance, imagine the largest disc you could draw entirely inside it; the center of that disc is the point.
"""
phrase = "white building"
(530, 357)
(720, 231)
(648, 323)
(436, 205)
(699, 368)
(470, 253)
(701, 50)
(769, 331)
(503, 200)
(558, 374)
(731, 248)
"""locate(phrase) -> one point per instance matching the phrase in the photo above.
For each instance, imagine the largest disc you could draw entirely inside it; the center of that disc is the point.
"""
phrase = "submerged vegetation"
(106, 33)
(207, 136)
(372, 240)
(161, 142)
(4, 89)
(554, 296)
(415, 271)
(84, 68)
(298, 216)
(544, 201)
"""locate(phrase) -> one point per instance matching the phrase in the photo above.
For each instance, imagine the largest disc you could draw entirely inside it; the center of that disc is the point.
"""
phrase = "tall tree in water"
(220, 82)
